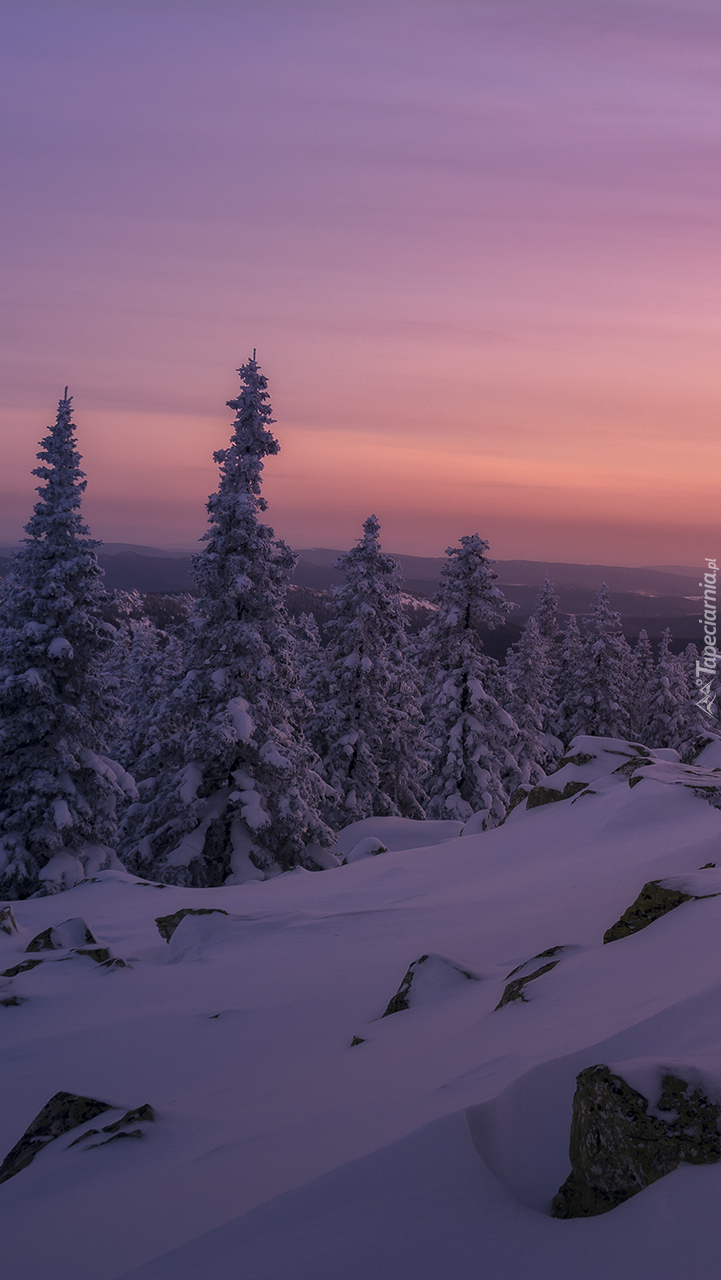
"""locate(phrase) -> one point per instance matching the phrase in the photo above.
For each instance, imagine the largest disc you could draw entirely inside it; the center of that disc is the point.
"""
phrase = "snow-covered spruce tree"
(546, 612)
(143, 668)
(472, 736)
(57, 791)
(546, 615)
(690, 658)
(606, 685)
(230, 789)
(707, 714)
(368, 726)
(642, 665)
(529, 673)
(308, 650)
(568, 696)
(672, 720)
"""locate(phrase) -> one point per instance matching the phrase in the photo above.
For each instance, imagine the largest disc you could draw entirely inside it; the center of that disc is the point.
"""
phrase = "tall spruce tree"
(642, 666)
(530, 675)
(472, 736)
(143, 667)
(368, 724)
(547, 620)
(546, 612)
(57, 791)
(606, 690)
(672, 719)
(230, 789)
(569, 680)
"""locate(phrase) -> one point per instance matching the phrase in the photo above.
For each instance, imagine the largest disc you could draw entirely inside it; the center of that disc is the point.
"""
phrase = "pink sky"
(476, 246)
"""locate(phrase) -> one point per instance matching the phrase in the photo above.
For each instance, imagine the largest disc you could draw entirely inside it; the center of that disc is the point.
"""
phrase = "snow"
(431, 1149)
(62, 816)
(396, 833)
(60, 648)
(366, 848)
(242, 722)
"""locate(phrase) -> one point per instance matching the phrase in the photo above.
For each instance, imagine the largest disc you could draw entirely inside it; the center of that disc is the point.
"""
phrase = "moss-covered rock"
(652, 902)
(8, 923)
(399, 1002)
(542, 795)
(514, 990)
(168, 924)
(138, 1115)
(519, 795)
(20, 968)
(100, 955)
(580, 758)
(430, 978)
(133, 1133)
(617, 1149)
(549, 795)
(63, 1112)
(61, 937)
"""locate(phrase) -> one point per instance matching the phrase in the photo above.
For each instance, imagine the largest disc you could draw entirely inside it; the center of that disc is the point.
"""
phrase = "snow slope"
(431, 1149)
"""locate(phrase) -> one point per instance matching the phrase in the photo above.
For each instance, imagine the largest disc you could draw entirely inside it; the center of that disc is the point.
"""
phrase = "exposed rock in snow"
(61, 937)
(617, 1148)
(7, 921)
(446, 1139)
(526, 973)
(23, 967)
(137, 1115)
(428, 979)
(655, 900)
(168, 924)
(548, 795)
(63, 1112)
(367, 848)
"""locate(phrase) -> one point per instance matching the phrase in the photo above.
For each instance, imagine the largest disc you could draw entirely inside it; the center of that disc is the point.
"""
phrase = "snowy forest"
(237, 743)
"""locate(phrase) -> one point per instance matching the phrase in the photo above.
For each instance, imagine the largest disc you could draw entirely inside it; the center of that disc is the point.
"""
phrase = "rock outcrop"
(8, 923)
(549, 795)
(514, 990)
(63, 1112)
(656, 899)
(429, 978)
(168, 924)
(63, 937)
(617, 1149)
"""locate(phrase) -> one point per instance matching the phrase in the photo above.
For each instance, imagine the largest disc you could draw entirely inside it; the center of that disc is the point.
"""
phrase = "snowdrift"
(300, 1129)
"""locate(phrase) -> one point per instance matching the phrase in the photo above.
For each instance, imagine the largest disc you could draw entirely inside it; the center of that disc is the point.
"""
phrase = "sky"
(474, 242)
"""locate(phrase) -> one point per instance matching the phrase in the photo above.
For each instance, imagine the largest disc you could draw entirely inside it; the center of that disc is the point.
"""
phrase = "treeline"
(221, 740)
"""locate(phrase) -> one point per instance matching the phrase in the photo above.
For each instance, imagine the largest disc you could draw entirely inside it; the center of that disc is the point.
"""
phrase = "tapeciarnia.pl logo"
(706, 666)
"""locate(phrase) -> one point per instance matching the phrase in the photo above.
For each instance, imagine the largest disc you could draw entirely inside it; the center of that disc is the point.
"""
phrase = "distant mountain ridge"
(652, 597)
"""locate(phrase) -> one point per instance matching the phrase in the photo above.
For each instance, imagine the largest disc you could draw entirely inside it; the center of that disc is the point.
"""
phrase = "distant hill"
(652, 597)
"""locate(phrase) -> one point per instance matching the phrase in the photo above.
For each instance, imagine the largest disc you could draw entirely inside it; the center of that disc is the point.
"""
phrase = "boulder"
(63, 1112)
(548, 795)
(514, 990)
(20, 968)
(617, 1149)
(429, 978)
(138, 1115)
(63, 937)
(370, 847)
(656, 899)
(7, 921)
(168, 924)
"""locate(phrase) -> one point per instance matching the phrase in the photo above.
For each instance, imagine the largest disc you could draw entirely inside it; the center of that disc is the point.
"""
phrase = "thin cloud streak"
(484, 234)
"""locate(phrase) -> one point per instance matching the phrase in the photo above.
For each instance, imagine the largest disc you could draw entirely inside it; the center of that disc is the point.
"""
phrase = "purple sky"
(475, 244)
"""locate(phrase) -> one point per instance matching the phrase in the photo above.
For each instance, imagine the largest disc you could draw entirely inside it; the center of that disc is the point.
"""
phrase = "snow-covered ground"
(429, 1151)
